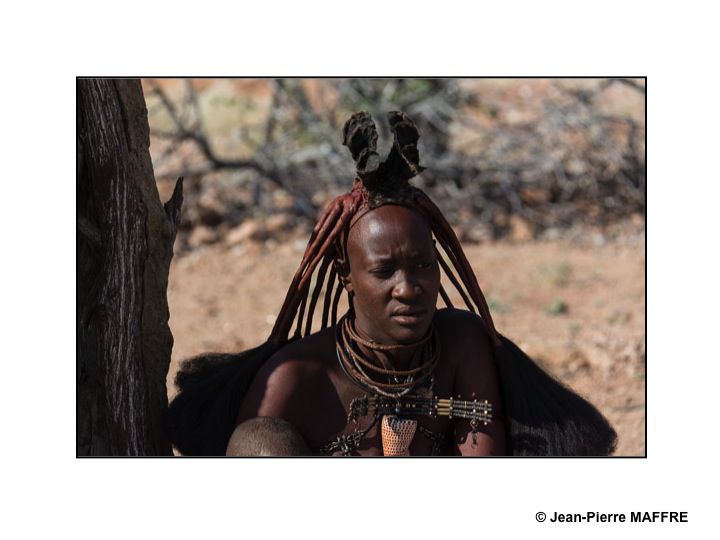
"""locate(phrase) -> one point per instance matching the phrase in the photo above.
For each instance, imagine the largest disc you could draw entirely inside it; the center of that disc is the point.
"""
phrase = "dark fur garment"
(542, 416)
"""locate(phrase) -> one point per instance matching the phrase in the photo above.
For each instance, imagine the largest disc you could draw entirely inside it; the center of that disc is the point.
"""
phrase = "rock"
(277, 223)
(210, 210)
(521, 230)
(478, 234)
(299, 245)
(282, 199)
(599, 239)
(500, 220)
(552, 234)
(248, 229)
(459, 232)
(201, 235)
(535, 195)
(638, 220)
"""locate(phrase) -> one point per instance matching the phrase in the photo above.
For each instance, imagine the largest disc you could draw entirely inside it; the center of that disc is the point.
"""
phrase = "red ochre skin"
(394, 280)
(394, 275)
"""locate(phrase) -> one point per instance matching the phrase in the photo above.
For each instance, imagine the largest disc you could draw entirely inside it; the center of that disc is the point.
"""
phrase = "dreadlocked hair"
(542, 416)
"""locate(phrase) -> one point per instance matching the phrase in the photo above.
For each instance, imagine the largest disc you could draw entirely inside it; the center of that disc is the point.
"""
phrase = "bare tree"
(124, 246)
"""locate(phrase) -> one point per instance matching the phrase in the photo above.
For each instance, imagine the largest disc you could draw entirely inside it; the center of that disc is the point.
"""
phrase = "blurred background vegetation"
(506, 158)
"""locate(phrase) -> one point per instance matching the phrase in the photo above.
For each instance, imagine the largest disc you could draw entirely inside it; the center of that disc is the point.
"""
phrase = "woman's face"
(394, 274)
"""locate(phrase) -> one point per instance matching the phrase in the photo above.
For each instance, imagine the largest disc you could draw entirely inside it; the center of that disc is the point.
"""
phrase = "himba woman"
(394, 375)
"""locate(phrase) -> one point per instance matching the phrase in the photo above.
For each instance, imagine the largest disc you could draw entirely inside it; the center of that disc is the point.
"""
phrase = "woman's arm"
(476, 378)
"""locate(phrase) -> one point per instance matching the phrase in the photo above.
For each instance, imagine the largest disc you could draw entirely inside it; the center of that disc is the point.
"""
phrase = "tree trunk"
(124, 246)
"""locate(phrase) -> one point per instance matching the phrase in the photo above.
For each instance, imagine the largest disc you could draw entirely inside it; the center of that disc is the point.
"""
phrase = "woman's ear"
(347, 283)
(343, 273)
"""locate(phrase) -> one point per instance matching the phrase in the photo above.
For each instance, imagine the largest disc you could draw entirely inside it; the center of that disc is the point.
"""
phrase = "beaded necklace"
(392, 402)
(400, 382)
(397, 432)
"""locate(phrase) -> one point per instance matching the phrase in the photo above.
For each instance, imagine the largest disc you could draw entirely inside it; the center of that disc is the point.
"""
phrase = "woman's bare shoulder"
(310, 352)
(289, 375)
(460, 321)
(465, 335)
(299, 361)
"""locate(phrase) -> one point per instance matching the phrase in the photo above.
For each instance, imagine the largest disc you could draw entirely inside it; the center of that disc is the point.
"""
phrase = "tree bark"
(124, 247)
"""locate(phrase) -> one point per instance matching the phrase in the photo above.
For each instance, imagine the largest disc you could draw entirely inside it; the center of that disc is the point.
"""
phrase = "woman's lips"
(409, 318)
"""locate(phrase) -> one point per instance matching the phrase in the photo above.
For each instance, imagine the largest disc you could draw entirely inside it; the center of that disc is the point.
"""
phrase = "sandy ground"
(577, 308)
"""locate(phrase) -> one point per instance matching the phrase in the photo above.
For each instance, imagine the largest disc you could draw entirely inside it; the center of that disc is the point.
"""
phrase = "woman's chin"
(407, 334)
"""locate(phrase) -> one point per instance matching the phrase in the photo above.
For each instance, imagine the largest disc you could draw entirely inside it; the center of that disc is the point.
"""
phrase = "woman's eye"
(382, 271)
(423, 265)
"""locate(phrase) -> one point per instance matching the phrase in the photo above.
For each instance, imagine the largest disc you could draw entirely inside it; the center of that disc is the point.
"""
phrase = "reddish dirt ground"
(577, 308)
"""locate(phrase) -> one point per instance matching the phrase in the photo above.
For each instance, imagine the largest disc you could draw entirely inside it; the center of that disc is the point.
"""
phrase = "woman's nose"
(407, 288)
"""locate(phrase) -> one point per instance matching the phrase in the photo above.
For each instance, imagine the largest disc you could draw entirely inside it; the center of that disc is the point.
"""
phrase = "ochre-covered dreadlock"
(543, 417)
